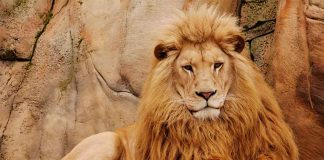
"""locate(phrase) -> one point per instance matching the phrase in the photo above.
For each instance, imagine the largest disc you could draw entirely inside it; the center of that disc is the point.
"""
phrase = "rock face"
(73, 68)
(297, 69)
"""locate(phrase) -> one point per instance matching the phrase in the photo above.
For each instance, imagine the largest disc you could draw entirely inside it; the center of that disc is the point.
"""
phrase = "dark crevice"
(250, 50)
(22, 59)
(257, 24)
(110, 87)
(76, 102)
(40, 144)
(261, 35)
(314, 18)
(79, 42)
(238, 9)
(252, 57)
(64, 5)
(129, 86)
(254, 1)
(11, 55)
(47, 19)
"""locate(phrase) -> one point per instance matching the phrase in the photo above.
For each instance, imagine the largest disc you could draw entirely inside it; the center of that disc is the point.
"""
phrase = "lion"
(201, 100)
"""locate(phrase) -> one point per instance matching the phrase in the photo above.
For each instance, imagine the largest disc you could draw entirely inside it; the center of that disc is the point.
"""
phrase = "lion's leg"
(264, 157)
(102, 146)
(268, 156)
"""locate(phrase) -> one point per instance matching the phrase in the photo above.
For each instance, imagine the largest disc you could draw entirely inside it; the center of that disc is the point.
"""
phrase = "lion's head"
(203, 46)
(203, 75)
(202, 94)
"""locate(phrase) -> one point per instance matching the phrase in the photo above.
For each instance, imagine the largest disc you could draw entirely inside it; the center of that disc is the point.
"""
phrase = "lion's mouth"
(206, 113)
(205, 108)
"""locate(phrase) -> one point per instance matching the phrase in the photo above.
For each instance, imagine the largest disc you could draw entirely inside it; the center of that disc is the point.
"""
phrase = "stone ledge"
(314, 12)
(319, 3)
(260, 29)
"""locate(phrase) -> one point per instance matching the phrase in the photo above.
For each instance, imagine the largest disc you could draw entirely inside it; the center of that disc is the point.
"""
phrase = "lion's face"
(193, 48)
(203, 77)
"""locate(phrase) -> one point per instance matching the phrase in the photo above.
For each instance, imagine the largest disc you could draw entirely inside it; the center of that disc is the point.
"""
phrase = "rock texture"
(73, 68)
(258, 19)
(297, 70)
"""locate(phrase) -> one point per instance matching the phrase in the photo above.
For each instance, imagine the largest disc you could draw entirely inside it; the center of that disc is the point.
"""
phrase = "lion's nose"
(206, 95)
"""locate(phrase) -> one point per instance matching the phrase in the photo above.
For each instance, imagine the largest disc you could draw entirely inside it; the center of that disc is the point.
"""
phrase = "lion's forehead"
(199, 55)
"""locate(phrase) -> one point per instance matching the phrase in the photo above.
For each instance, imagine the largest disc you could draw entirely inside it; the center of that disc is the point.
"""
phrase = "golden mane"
(251, 125)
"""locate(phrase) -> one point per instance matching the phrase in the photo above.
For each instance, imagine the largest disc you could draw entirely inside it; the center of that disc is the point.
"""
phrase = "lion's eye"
(188, 68)
(217, 65)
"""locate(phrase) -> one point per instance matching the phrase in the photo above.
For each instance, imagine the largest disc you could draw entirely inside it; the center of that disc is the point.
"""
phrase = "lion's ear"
(161, 51)
(237, 42)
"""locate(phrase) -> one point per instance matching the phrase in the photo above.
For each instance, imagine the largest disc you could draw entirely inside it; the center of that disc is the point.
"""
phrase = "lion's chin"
(206, 113)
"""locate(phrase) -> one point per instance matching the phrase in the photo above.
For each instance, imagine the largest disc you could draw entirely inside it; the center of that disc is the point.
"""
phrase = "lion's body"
(250, 124)
(254, 129)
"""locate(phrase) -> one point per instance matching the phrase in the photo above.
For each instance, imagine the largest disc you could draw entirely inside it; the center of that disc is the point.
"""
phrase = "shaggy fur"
(250, 126)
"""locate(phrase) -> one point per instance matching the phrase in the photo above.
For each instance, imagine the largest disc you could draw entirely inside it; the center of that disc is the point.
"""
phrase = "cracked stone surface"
(259, 47)
(253, 11)
(20, 21)
(73, 68)
(314, 26)
(318, 3)
(261, 28)
(258, 19)
(297, 68)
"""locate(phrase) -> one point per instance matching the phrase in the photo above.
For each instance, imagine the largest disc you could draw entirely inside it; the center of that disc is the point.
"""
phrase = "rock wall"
(73, 68)
(297, 70)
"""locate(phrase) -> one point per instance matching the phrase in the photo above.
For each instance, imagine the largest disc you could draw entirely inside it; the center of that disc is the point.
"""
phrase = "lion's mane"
(251, 124)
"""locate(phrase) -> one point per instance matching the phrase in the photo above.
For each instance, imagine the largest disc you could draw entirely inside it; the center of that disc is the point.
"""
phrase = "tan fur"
(250, 126)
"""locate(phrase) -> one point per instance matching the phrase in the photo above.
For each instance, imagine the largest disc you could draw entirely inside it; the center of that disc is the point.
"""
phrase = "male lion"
(202, 100)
